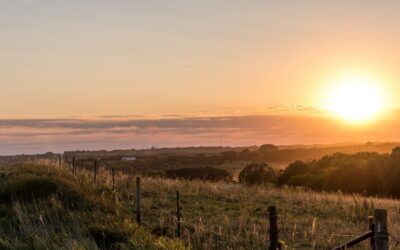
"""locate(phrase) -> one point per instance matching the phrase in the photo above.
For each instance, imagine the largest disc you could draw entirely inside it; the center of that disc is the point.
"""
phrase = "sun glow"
(356, 99)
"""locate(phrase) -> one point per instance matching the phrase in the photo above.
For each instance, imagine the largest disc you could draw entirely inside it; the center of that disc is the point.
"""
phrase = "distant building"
(128, 158)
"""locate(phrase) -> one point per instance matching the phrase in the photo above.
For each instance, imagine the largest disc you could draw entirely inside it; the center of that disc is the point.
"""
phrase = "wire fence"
(87, 172)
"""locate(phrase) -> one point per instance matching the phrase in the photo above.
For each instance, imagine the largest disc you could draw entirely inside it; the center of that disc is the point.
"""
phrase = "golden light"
(356, 99)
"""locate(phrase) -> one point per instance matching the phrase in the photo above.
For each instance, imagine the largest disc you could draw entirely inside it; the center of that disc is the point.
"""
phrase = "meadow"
(47, 207)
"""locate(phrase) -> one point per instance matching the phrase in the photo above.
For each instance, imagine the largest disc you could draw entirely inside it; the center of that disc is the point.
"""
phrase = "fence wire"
(85, 173)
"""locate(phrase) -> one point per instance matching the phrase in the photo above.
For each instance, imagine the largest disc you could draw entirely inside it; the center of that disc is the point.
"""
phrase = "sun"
(356, 99)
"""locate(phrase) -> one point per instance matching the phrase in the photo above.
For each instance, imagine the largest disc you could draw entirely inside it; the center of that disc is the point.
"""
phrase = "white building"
(128, 158)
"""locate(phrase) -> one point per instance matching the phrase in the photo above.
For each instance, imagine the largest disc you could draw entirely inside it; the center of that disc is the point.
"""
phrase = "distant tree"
(257, 173)
(396, 151)
(294, 169)
(268, 148)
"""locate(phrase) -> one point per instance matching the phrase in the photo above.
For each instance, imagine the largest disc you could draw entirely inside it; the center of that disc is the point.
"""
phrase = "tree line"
(368, 173)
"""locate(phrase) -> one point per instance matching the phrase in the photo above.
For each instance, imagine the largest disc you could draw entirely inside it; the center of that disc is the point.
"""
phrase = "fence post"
(178, 215)
(273, 228)
(138, 219)
(371, 228)
(95, 173)
(59, 160)
(381, 236)
(113, 178)
(73, 165)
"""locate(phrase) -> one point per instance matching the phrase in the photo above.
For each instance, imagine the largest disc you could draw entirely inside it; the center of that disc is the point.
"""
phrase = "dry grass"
(232, 216)
(44, 207)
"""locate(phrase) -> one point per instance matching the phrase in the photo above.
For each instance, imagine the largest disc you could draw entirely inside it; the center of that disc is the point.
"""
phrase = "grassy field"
(43, 206)
(230, 216)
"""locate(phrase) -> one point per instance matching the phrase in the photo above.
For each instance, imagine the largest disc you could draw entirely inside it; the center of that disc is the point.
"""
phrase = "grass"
(77, 215)
(230, 216)
(47, 208)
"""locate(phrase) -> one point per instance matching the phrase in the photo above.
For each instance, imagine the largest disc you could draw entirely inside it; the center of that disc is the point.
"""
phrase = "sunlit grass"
(232, 216)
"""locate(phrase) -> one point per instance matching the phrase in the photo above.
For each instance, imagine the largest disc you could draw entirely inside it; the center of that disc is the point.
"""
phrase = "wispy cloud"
(40, 135)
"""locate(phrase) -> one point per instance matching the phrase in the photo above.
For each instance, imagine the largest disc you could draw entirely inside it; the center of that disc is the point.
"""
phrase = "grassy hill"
(43, 207)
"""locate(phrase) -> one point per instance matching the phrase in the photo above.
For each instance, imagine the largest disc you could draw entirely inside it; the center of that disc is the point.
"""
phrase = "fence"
(377, 232)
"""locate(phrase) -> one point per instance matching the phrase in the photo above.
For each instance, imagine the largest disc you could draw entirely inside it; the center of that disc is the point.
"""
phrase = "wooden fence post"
(95, 173)
(138, 218)
(59, 160)
(73, 165)
(178, 215)
(273, 228)
(113, 178)
(381, 236)
(371, 228)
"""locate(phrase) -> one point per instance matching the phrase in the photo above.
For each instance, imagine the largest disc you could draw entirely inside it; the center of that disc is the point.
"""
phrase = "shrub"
(294, 169)
(257, 174)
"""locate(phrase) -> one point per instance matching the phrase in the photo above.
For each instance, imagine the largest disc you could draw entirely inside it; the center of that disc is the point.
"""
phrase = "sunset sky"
(103, 60)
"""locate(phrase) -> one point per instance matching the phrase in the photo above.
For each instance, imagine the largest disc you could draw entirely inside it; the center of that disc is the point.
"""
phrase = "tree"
(257, 173)
(295, 168)
(396, 151)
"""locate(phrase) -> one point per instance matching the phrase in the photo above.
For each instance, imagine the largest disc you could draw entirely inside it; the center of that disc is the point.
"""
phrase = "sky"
(93, 59)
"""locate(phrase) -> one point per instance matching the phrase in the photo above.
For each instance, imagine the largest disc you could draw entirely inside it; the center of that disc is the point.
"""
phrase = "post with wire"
(138, 215)
(178, 215)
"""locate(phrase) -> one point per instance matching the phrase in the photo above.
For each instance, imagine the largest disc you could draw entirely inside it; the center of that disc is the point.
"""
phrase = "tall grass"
(46, 207)
(232, 216)
(48, 229)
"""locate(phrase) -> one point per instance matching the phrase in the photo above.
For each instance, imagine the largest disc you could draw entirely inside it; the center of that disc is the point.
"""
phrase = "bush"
(294, 169)
(207, 173)
(257, 174)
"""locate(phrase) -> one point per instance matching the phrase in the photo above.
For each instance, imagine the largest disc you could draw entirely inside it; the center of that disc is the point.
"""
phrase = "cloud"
(111, 132)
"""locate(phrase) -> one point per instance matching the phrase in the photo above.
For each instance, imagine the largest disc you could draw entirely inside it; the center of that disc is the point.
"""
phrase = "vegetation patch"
(257, 173)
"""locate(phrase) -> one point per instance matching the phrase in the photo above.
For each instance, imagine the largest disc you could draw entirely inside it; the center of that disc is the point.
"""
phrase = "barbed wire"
(343, 235)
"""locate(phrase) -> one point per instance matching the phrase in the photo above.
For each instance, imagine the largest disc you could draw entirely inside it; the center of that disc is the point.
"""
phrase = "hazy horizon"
(18, 136)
